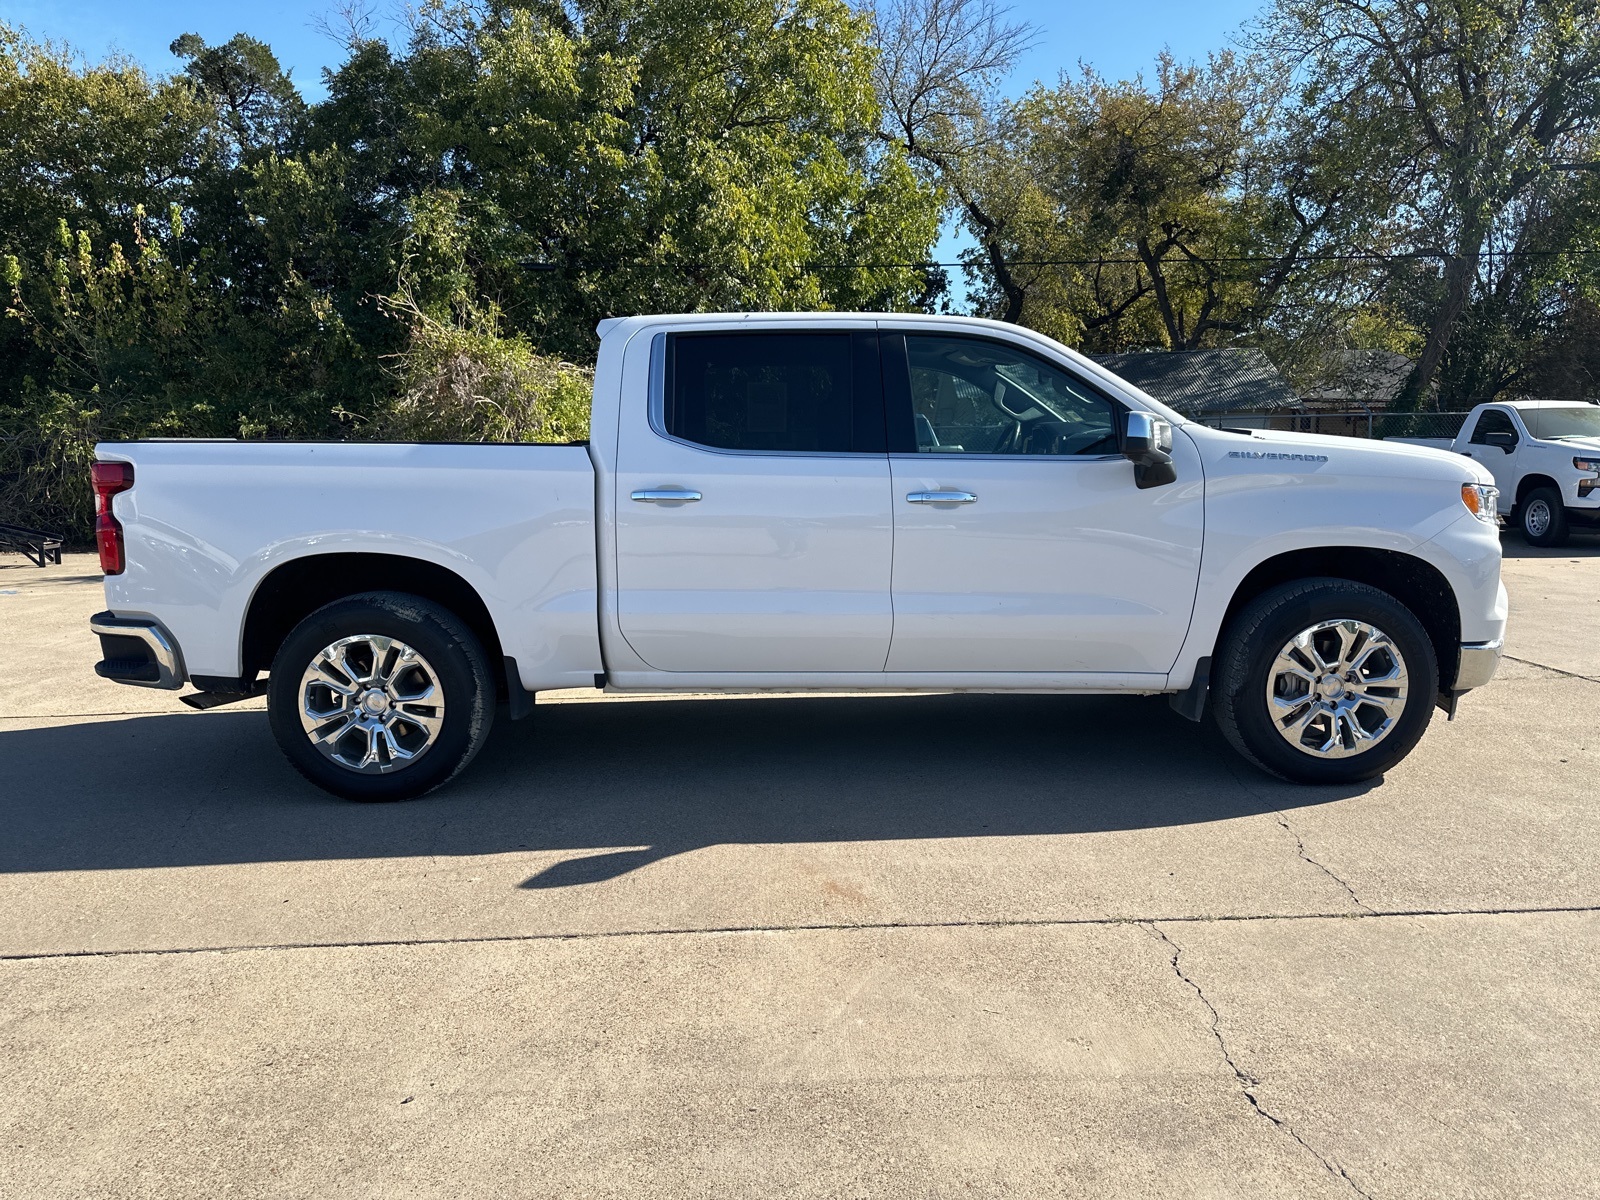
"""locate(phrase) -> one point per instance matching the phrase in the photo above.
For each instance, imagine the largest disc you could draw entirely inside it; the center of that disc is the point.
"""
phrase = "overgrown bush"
(462, 381)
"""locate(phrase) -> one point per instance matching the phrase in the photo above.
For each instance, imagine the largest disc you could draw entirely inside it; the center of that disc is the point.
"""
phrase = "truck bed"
(1436, 443)
(206, 522)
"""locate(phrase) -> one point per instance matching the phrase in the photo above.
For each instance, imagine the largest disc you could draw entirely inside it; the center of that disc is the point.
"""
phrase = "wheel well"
(1529, 482)
(1416, 584)
(295, 590)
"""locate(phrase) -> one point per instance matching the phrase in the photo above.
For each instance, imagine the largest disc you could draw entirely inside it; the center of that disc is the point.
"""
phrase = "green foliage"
(461, 377)
(257, 108)
(667, 156)
(465, 381)
(426, 252)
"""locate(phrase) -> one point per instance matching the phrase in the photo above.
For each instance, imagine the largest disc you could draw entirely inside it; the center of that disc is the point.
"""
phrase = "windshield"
(1576, 421)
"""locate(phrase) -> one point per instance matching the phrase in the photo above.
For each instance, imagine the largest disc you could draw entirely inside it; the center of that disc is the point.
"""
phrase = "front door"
(1021, 542)
(753, 513)
(1493, 443)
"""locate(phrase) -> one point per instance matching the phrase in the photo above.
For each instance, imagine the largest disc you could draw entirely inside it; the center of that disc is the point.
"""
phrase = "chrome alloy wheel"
(1536, 520)
(371, 704)
(1337, 689)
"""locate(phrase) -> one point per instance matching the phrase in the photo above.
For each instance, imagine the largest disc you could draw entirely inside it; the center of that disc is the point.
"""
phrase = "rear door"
(1021, 542)
(753, 511)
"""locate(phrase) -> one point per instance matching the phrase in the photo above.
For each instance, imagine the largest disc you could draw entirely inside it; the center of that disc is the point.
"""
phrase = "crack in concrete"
(1300, 847)
(818, 927)
(1299, 842)
(1528, 662)
(1249, 1083)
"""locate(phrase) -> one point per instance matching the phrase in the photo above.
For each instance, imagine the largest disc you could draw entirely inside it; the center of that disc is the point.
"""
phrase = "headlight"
(1587, 464)
(1482, 501)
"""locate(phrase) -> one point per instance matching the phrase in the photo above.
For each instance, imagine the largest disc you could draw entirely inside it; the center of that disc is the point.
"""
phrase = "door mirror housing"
(1147, 444)
(1503, 438)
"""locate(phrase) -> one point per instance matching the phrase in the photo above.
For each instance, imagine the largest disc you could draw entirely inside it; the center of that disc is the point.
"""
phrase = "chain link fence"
(1363, 424)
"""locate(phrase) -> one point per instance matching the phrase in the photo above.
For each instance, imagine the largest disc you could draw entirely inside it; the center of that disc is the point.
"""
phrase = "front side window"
(791, 392)
(974, 396)
(1493, 420)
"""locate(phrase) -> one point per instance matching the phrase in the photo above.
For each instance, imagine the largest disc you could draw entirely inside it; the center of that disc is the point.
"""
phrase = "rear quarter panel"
(206, 522)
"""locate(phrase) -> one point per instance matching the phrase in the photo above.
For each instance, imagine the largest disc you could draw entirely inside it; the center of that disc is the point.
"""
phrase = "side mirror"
(1147, 444)
(1505, 439)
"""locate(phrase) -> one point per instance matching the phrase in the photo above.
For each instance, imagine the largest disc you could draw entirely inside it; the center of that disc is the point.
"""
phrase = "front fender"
(1302, 494)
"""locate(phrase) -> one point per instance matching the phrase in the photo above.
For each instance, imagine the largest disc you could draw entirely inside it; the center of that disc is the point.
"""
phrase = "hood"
(1348, 455)
(1579, 444)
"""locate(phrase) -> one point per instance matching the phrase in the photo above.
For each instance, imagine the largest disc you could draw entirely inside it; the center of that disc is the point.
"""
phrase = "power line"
(924, 264)
(1408, 256)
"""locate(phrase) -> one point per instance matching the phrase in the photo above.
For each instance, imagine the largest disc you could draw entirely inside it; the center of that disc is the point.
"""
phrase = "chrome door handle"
(941, 498)
(665, 496)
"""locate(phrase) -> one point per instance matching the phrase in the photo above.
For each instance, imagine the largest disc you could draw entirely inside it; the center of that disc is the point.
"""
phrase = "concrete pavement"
(847, 946)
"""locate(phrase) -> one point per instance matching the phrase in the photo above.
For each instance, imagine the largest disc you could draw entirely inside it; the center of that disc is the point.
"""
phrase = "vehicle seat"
(1045, 437)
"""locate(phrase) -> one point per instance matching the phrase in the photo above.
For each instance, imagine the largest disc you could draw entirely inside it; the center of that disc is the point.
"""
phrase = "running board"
(205, 700)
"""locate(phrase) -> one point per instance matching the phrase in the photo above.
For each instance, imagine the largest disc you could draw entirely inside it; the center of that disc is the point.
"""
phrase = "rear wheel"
(381, 696)
(1325, 681)
(1543, 518)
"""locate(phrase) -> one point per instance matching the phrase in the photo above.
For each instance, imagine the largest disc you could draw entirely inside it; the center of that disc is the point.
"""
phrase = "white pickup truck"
(1545, 459)
(809, 501)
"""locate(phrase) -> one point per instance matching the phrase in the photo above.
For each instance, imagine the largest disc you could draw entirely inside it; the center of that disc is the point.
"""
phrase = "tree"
(1481, 113)
(937, 69)
(1190, 211)
(661, 155)
(1158, 221)
(259, 107)
(460, 376)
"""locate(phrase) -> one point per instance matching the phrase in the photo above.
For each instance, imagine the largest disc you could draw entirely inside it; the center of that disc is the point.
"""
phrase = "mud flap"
(1191, 702)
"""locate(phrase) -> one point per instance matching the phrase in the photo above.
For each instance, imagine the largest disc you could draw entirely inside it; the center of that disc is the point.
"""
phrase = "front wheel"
(381, 696)
(1543, 518)
(1325, 681)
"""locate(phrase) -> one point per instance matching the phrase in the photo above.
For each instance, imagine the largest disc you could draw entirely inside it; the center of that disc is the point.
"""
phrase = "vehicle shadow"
(1581, 545)
(635, 782)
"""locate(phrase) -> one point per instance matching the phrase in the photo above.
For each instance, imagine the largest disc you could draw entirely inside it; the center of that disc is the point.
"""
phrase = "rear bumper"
(1477, 664)
(137, 650)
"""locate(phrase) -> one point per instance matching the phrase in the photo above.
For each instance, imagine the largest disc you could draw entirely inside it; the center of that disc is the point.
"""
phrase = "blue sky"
(1118, 39)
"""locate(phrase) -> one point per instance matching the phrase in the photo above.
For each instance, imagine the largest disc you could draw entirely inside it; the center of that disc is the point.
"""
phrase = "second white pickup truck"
(809, 501)
(1545, 458)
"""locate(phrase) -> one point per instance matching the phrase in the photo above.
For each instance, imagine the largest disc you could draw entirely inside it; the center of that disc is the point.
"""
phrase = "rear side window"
(1492, 421)
(816, 393)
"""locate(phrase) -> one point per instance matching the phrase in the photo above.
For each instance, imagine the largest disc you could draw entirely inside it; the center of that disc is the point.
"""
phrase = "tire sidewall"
(1555, 531)
(435, 634)
(1278, 616)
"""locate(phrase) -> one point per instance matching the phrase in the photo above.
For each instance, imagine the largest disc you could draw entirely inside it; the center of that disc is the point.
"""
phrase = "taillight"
(109, 479)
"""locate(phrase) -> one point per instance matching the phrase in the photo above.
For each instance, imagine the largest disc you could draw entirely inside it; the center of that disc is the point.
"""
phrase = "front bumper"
(137, 650)
(1477, 664)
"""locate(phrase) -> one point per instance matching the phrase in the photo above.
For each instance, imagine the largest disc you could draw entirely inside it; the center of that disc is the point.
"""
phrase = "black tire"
(1542, 518)
(451, 660)
(1250, 646)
